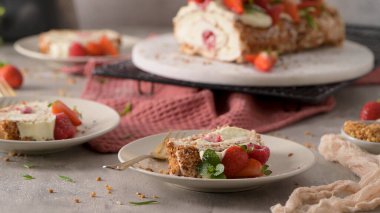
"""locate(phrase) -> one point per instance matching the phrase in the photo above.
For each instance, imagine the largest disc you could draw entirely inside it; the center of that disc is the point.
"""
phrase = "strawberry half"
(370, 111)
(253, 169)
(234, 5)
(234, 160)
(76, 49)
(264, 61)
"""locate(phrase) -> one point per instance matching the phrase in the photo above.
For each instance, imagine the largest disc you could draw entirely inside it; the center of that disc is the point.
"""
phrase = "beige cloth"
(342, 195)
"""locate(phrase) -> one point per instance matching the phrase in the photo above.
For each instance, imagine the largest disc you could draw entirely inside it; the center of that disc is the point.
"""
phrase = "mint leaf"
(310, 21)
(28, 177)
(211, 157)
(65, 178)
(127, 109)
(28, 165)
(265, 170)
(221, 176)
(219, 169)
(144, 202)
(203, 170)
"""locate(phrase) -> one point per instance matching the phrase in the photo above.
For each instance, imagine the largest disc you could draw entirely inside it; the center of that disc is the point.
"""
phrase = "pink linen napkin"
(174, 107)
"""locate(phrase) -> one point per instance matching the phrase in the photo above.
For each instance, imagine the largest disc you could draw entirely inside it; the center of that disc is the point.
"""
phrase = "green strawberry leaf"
(221, 176)
(211, 157)
(265, 170)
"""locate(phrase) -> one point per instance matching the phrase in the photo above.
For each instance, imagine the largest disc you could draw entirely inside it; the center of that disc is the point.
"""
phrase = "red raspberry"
(235, 159)
(76, 49)
(63, 129)
(209, 39)
(260, 153)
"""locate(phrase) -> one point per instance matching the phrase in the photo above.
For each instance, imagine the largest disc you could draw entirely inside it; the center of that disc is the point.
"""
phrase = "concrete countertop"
(84, 165)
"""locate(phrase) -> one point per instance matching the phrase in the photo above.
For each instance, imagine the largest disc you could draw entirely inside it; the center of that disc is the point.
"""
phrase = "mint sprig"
(265, 170)
(211, 166)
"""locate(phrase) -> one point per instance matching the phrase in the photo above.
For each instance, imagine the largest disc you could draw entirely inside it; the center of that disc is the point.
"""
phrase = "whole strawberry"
(260, 153)
(77, 49)
(11, 75)
(234, 160)
(370, 111)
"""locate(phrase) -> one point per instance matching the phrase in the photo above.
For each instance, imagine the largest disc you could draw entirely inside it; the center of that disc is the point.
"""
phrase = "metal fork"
(159, 153)
(6, 89)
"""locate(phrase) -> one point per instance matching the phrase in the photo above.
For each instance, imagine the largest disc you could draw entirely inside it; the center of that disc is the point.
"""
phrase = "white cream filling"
(37, 125)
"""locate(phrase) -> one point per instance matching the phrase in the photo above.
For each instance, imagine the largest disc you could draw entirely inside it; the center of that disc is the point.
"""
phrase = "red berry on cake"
(58, 107)
(370, 111)
(94, 49)
(253, 169)
(77, 49)
(11, 75)
(234, 160)
(63, 129)
(260, 153)
(209, 39)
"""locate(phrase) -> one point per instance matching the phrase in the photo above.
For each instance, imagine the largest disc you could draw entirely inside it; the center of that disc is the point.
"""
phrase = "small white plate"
(372, 147)
(160, 55)
(97, 119)
(28, 46)
(282, 165)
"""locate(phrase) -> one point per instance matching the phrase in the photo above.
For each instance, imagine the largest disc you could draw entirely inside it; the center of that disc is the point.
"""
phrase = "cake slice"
(37, 121)
(188, 155)
(229, 30)
(69, 43)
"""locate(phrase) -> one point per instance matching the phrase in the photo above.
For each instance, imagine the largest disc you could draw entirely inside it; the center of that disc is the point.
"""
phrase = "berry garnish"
(213, 138)
(76, 49)
(263, 61)
(11, 75)
(234, 5)
(59, 107)
(235, 159)
(209, 39)
(260, 153)
(370, 111)
(253, 169)
(63, 129)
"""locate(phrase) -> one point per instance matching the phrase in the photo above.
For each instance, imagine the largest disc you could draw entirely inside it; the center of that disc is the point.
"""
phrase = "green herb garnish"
(28, 165)
(265, 170)
(65, 178)
(310, 21)
(144, 202)
(127, 109)
(50, 104)
(211, 166)
(28, 177)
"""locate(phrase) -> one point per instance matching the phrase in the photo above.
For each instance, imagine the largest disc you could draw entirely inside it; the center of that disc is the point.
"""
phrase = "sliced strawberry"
(234, 160)
(76, 49)
(310, 3)
(94, 49)
(59, 107)
(253, 169)
(260, 153)
(265, 61)
(370, 111)
(63, 128)
(11, 75)
(275, 13)
(292, 10)
(234, 5)
(250, 58)
(108, 47)
(209, 39)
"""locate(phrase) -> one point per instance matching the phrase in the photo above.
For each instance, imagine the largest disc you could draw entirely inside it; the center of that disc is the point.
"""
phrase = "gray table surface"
(84, 165)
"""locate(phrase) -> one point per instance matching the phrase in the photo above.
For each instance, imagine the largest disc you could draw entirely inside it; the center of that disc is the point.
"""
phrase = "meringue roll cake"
(227, 30)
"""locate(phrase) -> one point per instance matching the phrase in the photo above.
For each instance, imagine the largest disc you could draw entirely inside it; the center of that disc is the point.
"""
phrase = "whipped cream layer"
(34, 120)
(221, 139)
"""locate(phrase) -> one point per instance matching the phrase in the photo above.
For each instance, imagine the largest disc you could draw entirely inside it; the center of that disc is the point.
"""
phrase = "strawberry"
(11, 75)
(292, 9)
(58, 107)
(76, 49)
(234, 5)
(265, 60)
(108, 47)
(94, 49)
(234, 160)
(260, 153)
(250, 58)
(253, 169)
(275, 12)
(63, 129)
(370, 111)
(263, 4)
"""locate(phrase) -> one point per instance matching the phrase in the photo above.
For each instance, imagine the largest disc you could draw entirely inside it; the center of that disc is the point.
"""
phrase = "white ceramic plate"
(28, 46)
(280, 163)
(372, 147)
(160, 55)
(97, 119)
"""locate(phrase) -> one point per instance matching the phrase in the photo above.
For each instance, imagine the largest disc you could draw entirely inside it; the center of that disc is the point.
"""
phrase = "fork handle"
(132, 161)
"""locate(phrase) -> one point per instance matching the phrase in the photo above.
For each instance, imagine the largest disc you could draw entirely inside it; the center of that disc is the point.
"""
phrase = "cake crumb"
(76, 200)
(109, 189)
(71, 81)
(149, 169)
(12, 154)
(6, 159)
(308, 133)
(50, 190)
(155, 196)
(290, 154)
(98, 179)
(93, 194)
(363, 131)
(118, 202)
(140, 195)
(309, 145)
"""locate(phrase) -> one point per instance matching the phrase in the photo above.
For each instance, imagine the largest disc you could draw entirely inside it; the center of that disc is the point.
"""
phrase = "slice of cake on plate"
(70, 43)
(230, 30)
(226, 152)
(38, 121)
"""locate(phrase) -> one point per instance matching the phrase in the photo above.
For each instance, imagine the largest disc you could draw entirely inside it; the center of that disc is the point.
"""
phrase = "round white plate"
(279, 162)
(28, 46)
(160, 55)
(97, 119)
